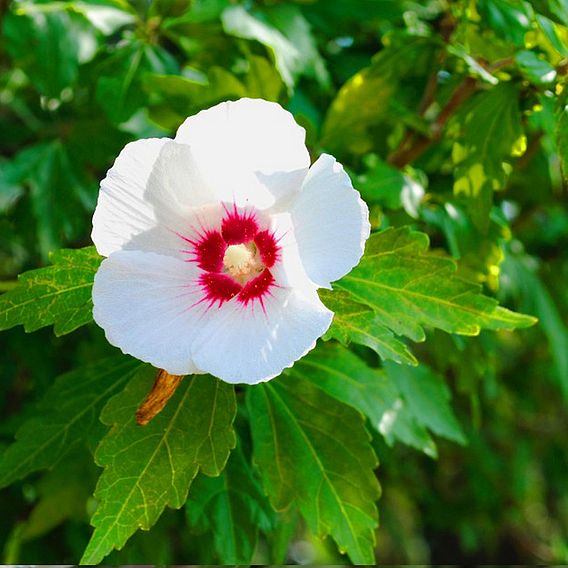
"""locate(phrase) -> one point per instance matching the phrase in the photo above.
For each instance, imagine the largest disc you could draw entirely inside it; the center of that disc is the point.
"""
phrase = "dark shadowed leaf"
(391, 399)
(305, 458)
(228, 511)
(64, 418)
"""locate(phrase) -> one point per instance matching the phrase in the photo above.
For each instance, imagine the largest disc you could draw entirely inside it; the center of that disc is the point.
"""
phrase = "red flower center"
(235, 259)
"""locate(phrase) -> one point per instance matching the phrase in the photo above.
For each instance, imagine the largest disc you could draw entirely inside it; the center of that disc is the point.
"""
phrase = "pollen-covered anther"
(242, 262)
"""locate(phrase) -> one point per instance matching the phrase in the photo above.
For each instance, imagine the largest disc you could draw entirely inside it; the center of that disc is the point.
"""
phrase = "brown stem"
(533, 147)
(414, 145)
(406, 154)
(163, 389)
(496, 65)
(432, 85)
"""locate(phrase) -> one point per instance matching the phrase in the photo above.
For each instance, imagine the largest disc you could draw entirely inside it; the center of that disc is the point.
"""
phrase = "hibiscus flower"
(217, 241)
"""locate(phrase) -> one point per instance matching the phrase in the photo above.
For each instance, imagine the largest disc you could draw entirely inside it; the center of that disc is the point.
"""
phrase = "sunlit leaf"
(286, 33)
(263, 80)
(359, 323)
(492, 133)
(366, 99)
(58, 294)
(410, 287)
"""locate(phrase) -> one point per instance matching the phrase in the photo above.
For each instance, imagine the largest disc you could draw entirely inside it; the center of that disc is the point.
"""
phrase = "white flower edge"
(140, 293)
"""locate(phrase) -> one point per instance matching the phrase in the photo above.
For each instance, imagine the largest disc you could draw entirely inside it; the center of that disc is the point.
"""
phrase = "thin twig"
(413, 146)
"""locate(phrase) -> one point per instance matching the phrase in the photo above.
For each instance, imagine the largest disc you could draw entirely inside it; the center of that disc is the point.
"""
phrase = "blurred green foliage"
(450, 116)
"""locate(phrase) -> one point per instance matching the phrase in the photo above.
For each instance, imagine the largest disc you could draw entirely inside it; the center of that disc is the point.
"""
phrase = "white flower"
(217, 242)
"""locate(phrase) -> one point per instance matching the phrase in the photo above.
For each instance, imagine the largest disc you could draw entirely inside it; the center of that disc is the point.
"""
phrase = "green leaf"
(536, 69)
(107, 17)
(263, 80)
(151, 467)
(410, 287)
(63, 494)
(511, 20)
(384, 185)
(314, 451)
(12, 174)
(556, 10)
(229, 510)
(58, 294)
(289, 20)
(394, 410)
(536, 299)
(64, 418)
(562, 140)
(427, 397)
(180, 97)
(346, 377)
(473, 66)
(119, 88)
(491, 133)
(46, 45)
(58, 197)
(554, 34)
(365, 100)
(286, 33)
(358, 323)
(200, 11)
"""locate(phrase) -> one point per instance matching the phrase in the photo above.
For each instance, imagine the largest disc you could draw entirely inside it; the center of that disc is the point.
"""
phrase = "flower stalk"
(162, 390)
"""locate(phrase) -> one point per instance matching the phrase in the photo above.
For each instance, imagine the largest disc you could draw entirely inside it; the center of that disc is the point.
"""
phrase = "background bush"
(450, 117)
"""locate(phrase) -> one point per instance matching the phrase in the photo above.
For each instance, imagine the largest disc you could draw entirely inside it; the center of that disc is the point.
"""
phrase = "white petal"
(331, 222)
(143, 302)
(289, 271)
(176, 183)
(251, 151)
(122, 211)
(248, 345)
(153, 194)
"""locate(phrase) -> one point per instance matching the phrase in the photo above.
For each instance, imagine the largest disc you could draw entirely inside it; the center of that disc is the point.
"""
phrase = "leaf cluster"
(451, 120)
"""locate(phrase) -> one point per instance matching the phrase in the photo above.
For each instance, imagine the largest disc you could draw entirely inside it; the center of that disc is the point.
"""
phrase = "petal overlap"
(331, 222)
(144, 302)
(264, 340)
(252, 151)
(217, 242)
(122, 210)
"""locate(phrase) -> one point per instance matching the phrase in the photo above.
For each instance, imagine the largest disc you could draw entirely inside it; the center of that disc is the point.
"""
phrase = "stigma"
(242, 262)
